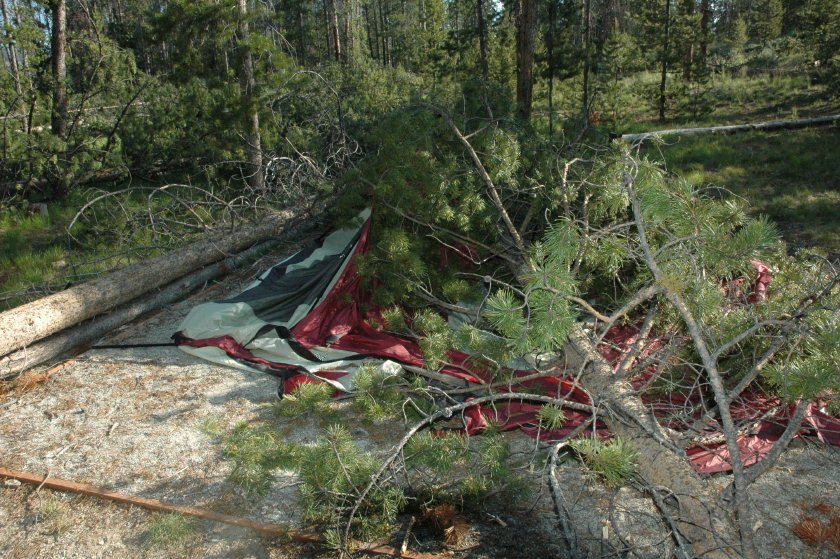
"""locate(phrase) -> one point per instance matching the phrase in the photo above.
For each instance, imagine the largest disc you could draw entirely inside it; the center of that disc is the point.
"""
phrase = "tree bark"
(552, 30)
(36, 320)
(658, 465)
(13, 62)
(705, 17)
(666, 46)
(386, 53)
(59, 67)
(83, 334)
(587, 41)
(23, 53)
(332, 22)
(482, 39)
(688, 58)
(301, 35)
(348, 31)
(525, 33)
(372, 39)
(247, 86)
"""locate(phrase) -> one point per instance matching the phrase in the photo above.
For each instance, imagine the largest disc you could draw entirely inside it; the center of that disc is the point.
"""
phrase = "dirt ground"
(137, 421)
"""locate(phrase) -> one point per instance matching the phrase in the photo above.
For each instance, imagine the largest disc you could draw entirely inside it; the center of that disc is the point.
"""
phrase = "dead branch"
(269, 529)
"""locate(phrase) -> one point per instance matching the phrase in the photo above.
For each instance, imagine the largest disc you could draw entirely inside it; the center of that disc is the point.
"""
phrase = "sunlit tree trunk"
(349, 9)
(13, 61)
(24, 55)
(58, 45)
(247, 86)
(335, 36)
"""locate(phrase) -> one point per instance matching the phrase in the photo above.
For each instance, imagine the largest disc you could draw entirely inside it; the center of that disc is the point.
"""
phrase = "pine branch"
(485, 176)
(715, 379)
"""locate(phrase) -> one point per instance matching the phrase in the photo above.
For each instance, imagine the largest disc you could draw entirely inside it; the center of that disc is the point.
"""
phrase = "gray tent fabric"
(251, 330)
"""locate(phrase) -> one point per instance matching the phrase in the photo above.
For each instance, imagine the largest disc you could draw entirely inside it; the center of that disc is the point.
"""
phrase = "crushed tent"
(309, 319)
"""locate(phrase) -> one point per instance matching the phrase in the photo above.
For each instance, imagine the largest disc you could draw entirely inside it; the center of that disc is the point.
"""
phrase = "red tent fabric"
(338, 322)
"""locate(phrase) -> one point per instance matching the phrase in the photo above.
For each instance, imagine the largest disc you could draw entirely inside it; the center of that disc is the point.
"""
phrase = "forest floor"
(146, 421)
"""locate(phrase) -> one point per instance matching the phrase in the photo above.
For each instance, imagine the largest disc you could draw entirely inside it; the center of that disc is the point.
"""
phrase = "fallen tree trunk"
(734, 128)
(15, 363)
(37, 320)
(660, 463)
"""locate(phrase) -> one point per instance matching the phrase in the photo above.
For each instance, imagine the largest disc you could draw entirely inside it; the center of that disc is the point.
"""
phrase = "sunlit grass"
(37, 256)
(168, 531)
(791, 176)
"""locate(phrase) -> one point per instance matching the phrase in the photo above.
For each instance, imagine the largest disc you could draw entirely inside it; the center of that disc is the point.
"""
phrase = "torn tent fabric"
(308, 319)
(303, 321)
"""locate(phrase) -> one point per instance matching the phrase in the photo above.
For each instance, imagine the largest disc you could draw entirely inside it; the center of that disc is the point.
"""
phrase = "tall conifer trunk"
(335, 36)
(349, 8)
(587, 40)
(482, 38)
(666, 45)
(688, 58)
(247, 86)
(525, 32)
(24, 55)
(13, 62)
(59, 67)
(552, 29)
(705, 15)
(301, 35)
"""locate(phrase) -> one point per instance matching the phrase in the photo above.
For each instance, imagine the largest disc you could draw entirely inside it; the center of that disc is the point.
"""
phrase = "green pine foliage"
(613, 462)
(378, 396)
(307, 398)
(551, 417)
(813, 373)
(435, 337)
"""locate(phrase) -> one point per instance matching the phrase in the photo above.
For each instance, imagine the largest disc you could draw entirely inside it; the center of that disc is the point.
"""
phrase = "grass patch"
(37, 257)
(168, 531)
(792, 177)
(54, 515)
(211, 426)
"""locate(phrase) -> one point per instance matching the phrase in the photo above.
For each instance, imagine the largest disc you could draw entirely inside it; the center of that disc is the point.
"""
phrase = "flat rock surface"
(145, 421)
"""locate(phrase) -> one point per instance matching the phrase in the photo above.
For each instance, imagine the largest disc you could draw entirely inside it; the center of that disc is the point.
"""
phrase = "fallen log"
(78, 336)
(269, 529)
(732, 129)
(36, 320)
(660, 463)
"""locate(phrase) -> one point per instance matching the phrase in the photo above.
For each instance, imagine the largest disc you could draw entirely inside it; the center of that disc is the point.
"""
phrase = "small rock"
(12, 483)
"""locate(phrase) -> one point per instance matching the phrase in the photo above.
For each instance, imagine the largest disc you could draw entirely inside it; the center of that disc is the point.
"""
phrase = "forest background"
(97, 96)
